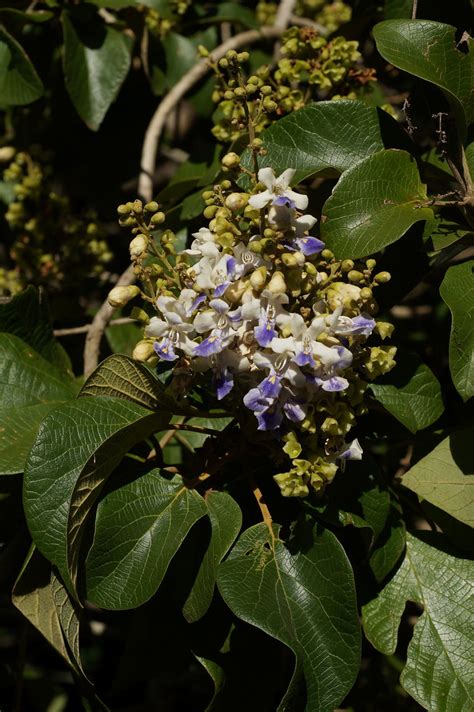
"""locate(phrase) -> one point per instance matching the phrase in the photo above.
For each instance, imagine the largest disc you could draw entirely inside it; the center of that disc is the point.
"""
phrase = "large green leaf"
(182, 52)
(457, 290)
(19, 82)
(120, 376)
(328, 135)
(429, 50)
(438, 672)
(84, 439)
(139, 528)
(97, 59)
(445, 477)
(40, 596)
(373, 204)
(411, 393)
(29, 388)
(226, 520)
(27, 316)
(302, 594)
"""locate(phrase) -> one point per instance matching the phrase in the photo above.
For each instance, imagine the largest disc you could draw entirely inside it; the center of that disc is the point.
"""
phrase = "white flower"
(174, 329)
(214, 273)
(278, 191)
(204, 244)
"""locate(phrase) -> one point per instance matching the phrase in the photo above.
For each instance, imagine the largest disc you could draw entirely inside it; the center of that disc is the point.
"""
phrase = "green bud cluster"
(310, 68)
(329, 14)
(48, 243)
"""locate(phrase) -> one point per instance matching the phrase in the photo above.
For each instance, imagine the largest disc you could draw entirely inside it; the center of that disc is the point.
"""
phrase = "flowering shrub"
(253, 493)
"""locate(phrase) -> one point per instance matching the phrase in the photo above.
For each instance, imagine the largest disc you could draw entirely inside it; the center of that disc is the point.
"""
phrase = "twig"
(414, 9)
(71, 331)
(284, 12)
(305, 22)
(195, 74)
(99, 325)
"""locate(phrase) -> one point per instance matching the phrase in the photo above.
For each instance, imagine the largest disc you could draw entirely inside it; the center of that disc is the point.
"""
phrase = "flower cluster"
(259, 304)
(331, 14)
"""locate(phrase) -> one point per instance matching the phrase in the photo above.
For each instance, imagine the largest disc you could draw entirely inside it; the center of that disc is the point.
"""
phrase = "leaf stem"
(266, 515)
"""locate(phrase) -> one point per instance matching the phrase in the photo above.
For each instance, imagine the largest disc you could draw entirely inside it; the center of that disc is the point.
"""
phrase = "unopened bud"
(152, 206)
(277, 284)
(366, 293)
(355, 276)
(258, 278)
(123, 209)
(383, 277)
(158, 218)
(137, 206)
(289, 259)
(120, 296)
(371, 264)
(138, 246)
(143, 351)
(347, 265)
(230, 160)
(210, 211)
(327, 254)
(243, 57)
(236, 201)
(6, 154)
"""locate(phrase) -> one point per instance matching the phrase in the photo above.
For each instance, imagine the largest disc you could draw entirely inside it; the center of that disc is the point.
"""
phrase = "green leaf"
(438, 673)
(182, 52)
(328, 135)
(411, 393)
(233, 12)
(226, 520)
(139, 528)
(119, 376)
(97, 59)
(122, 338)
(19, 82)
(84, 439)
(217, 675)
(389, 546)
(299, 593)
(429, 51)
(457, 290)
(27, 316)
(373, 204)
(40, 596)
(445, 477)
(29, 388)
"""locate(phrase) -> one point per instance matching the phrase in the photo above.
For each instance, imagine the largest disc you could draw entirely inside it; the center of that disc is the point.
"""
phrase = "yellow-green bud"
(231, 54)
(239, 92)
(143, 350)
(269, 233)
(347, 265)
(138, 246)
(355, 276)
(277, 284)
(207, 195)
(256, 144)
(123, 209)
(258, 278)
(383, 277)
(120, 296)
(371, 264)
(289, 259)
(226, 184)
(223, 63)
(210, 211)
(269, 104)
(236, 201)
(243, 57)
(384, 329)
(366, 293)
(152, 206)
(327, 254)
(203, 51)
(137, 206)
(266, 90)
(311, 269)
(230, 160)
(158, 218)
